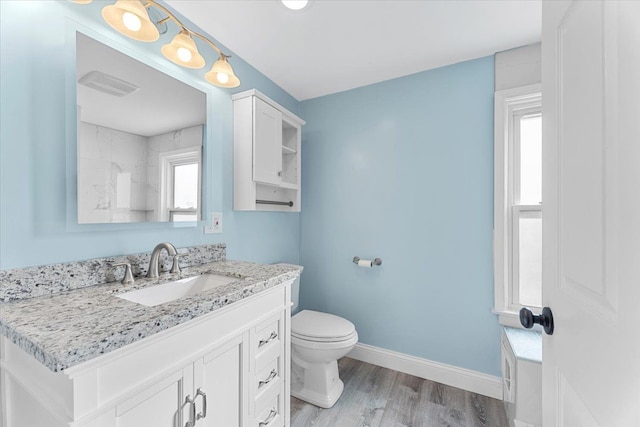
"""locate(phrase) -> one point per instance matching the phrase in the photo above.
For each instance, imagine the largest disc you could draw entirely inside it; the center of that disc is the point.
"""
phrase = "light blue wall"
(403, 170)
(33, 179)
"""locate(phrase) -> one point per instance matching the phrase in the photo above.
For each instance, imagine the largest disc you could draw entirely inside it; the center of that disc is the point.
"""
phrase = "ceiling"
(336, 45)
(161, 104)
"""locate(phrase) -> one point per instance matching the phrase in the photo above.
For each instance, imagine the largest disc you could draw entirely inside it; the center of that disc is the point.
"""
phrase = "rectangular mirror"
(140, 136)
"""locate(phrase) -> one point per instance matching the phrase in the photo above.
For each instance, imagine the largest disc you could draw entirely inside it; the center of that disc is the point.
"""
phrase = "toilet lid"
(316, 325)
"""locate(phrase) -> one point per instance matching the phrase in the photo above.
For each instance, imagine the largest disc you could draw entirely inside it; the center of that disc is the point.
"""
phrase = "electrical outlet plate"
(216, 224)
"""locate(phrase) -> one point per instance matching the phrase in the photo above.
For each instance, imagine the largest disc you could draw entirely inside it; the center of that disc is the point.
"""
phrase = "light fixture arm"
(171, 16)
(131, 18)
(216, 48)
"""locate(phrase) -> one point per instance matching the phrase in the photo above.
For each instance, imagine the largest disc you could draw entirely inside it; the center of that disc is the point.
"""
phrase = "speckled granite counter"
(68, 328)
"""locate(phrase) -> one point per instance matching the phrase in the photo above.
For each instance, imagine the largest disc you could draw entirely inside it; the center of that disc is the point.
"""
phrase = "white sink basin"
(159, 294)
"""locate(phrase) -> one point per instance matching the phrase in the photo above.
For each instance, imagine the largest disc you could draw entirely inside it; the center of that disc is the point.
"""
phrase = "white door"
(160, 405)
(219, 386)
(267, 143)
(591, 197)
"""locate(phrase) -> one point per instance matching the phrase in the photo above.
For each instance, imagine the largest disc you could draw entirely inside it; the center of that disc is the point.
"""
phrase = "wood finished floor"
(379, 397)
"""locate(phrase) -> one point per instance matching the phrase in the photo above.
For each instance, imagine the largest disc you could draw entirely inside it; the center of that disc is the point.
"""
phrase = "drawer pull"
(202, 414)
(272, 337)
(270, 418)
(270, 378)
(192, 411)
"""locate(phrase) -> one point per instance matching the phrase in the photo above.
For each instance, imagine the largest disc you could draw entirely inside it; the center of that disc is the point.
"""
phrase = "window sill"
(508, 318)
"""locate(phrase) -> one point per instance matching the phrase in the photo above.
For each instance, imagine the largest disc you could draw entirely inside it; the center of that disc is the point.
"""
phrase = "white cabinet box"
(522, 377)
(222, 362)
(266, 154)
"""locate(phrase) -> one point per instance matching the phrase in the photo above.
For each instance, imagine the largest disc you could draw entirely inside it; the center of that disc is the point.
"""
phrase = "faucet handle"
(175, 267)
(128, 276)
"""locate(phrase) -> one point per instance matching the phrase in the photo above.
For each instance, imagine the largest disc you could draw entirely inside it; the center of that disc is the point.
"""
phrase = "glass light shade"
(114, 15)
(227, 79)
(179, 49)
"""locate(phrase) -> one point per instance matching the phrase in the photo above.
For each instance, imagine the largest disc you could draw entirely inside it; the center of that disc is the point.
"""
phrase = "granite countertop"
(67, 328)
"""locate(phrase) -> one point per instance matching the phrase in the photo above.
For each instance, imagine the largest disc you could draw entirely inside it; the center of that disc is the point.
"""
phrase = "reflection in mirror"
(140, 136)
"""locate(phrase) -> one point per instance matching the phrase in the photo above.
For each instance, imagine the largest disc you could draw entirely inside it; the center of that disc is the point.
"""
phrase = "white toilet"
(318, 340)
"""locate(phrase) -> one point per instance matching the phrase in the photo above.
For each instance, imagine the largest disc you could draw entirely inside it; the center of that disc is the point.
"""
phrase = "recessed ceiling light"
(295, 4)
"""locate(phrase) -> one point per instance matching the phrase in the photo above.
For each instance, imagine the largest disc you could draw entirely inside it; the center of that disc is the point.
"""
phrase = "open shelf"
(289, 185)
(287, 150)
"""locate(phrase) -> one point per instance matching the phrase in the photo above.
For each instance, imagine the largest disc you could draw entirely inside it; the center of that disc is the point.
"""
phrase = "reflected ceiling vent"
(107, 84)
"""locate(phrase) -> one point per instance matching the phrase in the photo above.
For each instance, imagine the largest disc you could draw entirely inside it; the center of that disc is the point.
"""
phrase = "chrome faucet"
(154, 262)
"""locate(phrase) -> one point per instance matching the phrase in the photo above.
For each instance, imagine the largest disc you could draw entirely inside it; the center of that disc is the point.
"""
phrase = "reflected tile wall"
(112, 175)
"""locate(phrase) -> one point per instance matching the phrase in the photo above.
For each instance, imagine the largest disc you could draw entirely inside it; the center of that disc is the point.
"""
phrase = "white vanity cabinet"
(213, 383)
(232, 363)
(267, 142)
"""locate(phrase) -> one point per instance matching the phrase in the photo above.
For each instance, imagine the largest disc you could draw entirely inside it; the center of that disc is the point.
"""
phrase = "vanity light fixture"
(221, 74)
(130, 17)
(295, 4)
(183, 51)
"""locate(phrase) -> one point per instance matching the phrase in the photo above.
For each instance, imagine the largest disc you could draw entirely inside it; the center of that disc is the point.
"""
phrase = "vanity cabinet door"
(219, 385)
(267, 143)
(160, 405)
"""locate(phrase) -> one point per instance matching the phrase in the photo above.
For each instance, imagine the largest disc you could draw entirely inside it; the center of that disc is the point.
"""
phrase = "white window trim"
(167, 161)
(508, 103)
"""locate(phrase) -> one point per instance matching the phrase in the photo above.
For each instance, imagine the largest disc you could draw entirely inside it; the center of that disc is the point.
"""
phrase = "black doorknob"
(528, 319)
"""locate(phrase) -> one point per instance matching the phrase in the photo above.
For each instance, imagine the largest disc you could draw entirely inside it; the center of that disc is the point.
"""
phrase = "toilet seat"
(349, 341)
(321, 327)
(324, 339)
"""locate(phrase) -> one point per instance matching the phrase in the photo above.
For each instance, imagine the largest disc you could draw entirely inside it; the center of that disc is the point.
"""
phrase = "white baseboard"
(465, 379)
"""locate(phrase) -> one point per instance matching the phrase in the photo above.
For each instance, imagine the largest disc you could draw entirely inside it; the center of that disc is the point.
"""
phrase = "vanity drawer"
(271, 413)
(268, 334)
(268, 342)
(267, 380)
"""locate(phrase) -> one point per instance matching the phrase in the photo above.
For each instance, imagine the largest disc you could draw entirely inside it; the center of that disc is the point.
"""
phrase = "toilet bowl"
(318, 340)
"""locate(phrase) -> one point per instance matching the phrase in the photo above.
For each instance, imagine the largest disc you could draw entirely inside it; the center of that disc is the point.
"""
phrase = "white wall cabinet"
(522, 376)
(232, 364)
(267, 143)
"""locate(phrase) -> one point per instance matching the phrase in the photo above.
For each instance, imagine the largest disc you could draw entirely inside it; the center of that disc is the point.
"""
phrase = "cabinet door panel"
(220, 374)
(157, 406)
(267, 145)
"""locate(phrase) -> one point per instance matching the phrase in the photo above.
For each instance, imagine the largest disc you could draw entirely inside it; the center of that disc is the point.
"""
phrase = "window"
(518, 201)
(180, 178)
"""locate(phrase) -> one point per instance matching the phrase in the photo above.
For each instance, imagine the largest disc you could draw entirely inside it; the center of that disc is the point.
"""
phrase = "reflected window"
(180, 178)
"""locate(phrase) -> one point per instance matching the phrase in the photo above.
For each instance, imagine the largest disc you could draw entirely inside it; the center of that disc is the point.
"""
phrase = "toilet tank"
(295, 288)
